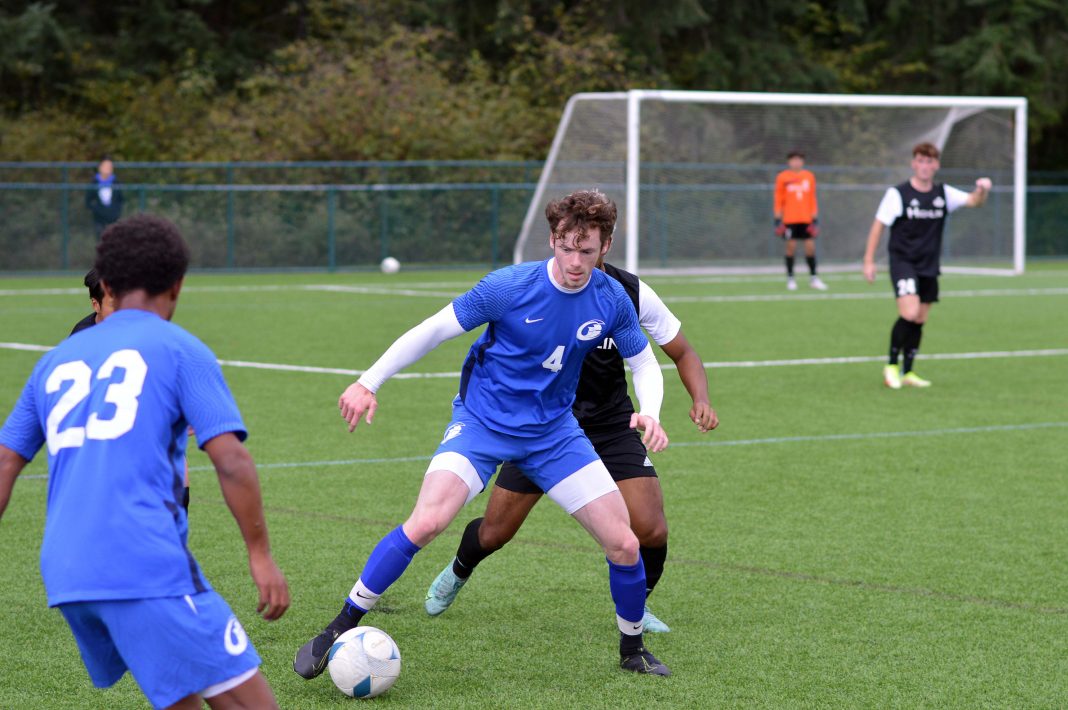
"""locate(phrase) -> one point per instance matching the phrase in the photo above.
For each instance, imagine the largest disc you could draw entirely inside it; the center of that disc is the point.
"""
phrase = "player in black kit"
(915, 211)
(603, 410)
(102, 307)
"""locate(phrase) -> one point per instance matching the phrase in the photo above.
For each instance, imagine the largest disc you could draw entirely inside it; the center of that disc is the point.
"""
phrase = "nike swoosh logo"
(637, 626)
(363, 596)
(532, 320)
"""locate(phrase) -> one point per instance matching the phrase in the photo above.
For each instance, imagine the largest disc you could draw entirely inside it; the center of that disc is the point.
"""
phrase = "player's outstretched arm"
(874, 235)
(359, 397)
(649, 388)
(977, 197)
(241, 490)
(692, 373)
(11, 465)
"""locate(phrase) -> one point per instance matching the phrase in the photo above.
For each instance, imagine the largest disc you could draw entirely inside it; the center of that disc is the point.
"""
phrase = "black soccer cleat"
(643, 662)
(312, 657)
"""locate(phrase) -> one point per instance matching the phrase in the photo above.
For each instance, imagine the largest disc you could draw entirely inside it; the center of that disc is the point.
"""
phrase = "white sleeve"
(648, 382)
(411, 346)
(890, 208)
(657, 320)
(955, 199)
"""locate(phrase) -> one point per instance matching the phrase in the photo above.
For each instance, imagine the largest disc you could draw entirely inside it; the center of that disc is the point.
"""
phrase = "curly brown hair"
(141, 252)
(579, 212)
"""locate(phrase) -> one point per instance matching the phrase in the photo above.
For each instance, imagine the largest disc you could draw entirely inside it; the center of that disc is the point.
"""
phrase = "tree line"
(480, 79)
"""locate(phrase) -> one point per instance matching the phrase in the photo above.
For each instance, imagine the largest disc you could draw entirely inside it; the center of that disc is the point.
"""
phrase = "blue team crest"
(590, 330)
(453, 431)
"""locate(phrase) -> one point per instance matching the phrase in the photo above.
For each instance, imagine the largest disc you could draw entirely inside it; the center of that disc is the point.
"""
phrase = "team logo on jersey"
(235, 639)
(453, 431)
(914, 210)
(590, 330)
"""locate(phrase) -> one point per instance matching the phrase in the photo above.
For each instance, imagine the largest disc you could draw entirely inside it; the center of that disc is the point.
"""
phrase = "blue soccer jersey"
(521, 373)
(113, 403)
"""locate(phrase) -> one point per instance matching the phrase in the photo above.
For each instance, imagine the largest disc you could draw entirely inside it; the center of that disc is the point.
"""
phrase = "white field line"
(729, 442)
(845, 360)
(419, 291)
(879, 294)
(877, 435)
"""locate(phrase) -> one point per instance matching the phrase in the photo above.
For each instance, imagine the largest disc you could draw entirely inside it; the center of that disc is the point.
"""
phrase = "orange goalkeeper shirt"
(795, 196)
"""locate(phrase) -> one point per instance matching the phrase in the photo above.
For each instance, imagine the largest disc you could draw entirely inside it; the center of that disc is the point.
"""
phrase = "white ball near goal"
(390, 265)
(364, 662)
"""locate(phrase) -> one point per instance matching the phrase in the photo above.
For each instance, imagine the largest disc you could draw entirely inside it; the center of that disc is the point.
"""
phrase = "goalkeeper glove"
(780, 228)
(814, 228)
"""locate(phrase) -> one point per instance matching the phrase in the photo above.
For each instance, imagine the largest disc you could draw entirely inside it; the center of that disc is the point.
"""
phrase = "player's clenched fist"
(354, 402)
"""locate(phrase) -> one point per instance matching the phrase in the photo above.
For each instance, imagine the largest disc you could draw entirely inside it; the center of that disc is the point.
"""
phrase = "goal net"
(693, 173)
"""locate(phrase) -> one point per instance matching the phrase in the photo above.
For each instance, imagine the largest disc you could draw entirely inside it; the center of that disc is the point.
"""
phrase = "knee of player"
(624, 550)
(424, 528)
(492, 537)
(654, 536)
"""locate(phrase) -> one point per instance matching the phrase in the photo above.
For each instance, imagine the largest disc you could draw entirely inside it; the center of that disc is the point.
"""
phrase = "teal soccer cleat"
(443, 591)
(653, 624)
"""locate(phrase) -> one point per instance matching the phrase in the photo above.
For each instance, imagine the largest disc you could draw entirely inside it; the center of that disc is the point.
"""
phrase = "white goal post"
(693, 172)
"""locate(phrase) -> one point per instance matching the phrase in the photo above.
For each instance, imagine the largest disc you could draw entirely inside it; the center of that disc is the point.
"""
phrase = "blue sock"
(627, 583)
(388, 560)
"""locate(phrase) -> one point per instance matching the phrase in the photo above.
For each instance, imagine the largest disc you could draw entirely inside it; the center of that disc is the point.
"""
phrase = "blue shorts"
(173, 646)
(562, 461)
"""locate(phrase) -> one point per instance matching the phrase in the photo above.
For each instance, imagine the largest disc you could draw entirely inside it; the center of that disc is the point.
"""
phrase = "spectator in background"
(104, 199)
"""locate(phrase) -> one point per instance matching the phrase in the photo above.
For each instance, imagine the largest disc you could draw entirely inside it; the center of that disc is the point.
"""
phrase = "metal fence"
(326, 215)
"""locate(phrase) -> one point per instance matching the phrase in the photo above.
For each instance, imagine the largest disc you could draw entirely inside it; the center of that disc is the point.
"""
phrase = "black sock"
(349, 618)
(912, 345)
(811, 261)
(653, 559)
(469, 553)
(898, 336)
(185, 498)
(790, 266)
(629, 645)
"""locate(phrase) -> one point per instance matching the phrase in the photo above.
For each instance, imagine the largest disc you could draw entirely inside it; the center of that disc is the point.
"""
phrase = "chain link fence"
(329, 215)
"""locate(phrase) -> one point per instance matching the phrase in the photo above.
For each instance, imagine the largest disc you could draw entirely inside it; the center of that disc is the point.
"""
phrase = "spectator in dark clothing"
(104, 198)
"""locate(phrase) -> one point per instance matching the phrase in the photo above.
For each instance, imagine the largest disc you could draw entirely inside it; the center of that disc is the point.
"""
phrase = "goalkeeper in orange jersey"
(797, 216)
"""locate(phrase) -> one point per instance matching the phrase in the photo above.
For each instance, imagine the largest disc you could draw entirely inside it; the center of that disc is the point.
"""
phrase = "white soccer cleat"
(791, 284)
(892, 377)
(817, 283)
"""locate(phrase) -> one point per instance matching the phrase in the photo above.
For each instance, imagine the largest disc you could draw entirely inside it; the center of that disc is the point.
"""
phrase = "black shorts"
(905, 282)
(797, 231)
(623, 454)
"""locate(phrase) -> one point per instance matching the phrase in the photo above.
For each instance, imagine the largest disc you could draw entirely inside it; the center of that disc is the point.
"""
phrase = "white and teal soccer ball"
(364, 662)
(390, 265)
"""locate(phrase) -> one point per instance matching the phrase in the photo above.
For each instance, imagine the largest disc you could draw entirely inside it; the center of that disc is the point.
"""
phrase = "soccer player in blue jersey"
(603, 409)
(514, 404)
(113, 405)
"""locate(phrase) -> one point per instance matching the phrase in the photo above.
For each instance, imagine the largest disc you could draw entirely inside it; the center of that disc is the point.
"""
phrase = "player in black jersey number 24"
(915, 211)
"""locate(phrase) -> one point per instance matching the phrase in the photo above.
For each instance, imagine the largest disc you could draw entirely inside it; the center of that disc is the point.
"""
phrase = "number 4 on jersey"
(555, 361)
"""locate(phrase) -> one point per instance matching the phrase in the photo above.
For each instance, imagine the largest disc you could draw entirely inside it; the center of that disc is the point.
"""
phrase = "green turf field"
(833, 543)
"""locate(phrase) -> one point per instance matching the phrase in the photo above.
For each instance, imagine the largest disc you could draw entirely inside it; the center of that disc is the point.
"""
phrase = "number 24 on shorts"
(906, 287)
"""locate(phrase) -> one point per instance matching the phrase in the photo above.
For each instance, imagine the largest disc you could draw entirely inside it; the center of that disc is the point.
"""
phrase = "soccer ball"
(390, 265)
(364, 662)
